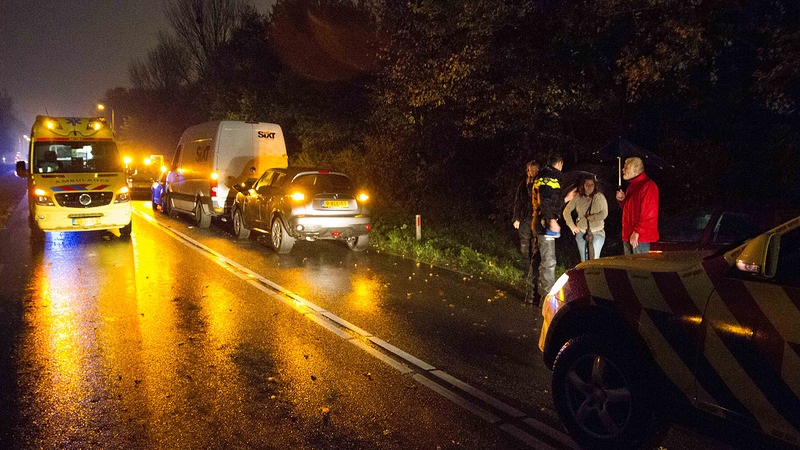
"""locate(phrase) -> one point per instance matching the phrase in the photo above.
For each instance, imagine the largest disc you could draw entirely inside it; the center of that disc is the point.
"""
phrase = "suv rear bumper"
(325, 227)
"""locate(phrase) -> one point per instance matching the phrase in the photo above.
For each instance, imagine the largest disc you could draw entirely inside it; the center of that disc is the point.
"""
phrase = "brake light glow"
(213, 186)
(298, 196)
(363, 197)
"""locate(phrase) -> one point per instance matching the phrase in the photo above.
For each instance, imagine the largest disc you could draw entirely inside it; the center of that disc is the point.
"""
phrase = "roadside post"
(419, 227)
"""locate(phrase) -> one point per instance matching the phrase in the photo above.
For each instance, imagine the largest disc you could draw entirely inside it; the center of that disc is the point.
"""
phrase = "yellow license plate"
(86, 221)
(335, 204)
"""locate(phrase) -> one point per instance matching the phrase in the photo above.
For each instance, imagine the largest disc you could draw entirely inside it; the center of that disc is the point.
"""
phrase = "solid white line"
(457, 399)
(392, 349)
(382, 356)
(510, 410)
(346, 324)
(324, 318)
(555, 434)
(525, 437)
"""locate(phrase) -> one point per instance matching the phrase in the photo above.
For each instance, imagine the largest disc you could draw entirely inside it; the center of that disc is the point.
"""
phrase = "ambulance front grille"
(73, 199)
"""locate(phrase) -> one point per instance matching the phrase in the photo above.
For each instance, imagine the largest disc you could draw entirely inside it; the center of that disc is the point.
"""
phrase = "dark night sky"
(62, 55)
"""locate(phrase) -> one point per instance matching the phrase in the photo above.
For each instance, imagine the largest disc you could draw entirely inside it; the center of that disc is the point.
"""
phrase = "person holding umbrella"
(639, 208)
(592, 208)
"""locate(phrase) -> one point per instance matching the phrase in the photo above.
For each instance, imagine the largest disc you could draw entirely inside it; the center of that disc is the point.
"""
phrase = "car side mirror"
(263, 190)
(22, 171)
(760, 255)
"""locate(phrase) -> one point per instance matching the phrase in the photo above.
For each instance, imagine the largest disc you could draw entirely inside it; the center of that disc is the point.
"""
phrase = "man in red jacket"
(639, 208)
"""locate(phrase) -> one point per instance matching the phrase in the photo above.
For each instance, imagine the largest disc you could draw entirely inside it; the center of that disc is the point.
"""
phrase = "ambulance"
(76, 177)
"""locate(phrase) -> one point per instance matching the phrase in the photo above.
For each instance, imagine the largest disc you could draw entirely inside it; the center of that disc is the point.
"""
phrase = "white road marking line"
(346, 324)
(525, 437)
(392, 349)
(508, 409)
(382, 356)
(555, 434)
(324, 318)
(457, 399)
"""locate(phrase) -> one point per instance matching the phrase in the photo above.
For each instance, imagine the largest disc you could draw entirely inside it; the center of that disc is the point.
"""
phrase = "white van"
(215, 158)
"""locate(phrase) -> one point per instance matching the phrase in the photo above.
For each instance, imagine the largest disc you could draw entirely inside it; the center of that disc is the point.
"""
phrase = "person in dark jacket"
(551, 203)
(523, 212)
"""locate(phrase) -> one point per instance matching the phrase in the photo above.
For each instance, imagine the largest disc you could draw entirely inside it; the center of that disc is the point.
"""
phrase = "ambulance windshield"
(75, 157)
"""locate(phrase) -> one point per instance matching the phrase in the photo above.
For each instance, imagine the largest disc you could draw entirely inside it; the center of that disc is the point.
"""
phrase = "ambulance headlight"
(123, 195)
(41, 198)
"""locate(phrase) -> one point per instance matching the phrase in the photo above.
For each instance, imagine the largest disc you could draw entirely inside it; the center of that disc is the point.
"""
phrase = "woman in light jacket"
(588, 198)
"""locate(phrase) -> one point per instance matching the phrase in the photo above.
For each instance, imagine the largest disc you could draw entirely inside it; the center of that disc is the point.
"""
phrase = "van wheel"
(37, 235)
(239, 229)
(202, 219)
(166, 204)
(126, 230)
(280, 239)
(601, 393)
(358, 243)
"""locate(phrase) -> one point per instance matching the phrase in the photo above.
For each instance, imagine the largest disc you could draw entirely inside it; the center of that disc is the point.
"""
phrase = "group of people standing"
(539, 204)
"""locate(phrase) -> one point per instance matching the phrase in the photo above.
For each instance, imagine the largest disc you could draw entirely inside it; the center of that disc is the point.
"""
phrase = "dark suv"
(715, 228)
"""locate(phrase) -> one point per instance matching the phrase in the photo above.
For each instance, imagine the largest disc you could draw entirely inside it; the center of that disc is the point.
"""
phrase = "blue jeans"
(643, 247)
(597, 243)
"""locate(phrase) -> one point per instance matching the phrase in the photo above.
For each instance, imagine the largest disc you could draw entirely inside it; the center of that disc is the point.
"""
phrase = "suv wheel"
(239, 229)
(202, 219)
(125, 231)
(601, 394)
(358, 243)
(280, 239)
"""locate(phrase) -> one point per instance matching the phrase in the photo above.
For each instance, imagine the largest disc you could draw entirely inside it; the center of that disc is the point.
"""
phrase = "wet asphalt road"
(188, 338)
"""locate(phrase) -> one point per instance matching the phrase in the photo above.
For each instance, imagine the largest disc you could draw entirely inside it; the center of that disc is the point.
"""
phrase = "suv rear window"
(324, 182)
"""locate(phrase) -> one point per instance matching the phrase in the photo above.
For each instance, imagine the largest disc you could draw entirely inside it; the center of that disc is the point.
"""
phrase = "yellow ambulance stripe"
(737, 379)
(790, 369)
(778, 307)
(596, 281)
(647, 292)
(698, 283)
(672, 364)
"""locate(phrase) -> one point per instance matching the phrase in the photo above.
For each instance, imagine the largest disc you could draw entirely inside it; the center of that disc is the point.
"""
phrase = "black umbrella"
(621, 148)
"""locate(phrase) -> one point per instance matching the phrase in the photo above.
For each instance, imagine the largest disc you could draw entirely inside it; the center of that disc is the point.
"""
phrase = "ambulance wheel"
(601, 395)
(358, 243)
(279, 238)
(201, 218)
(126, 230)
(239, 229)
(37, 235)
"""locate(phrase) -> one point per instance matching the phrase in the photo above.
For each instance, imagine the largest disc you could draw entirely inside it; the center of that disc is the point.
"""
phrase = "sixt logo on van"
(266, 134)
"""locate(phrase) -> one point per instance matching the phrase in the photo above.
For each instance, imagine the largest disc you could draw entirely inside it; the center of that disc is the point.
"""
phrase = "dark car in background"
(303, 203)
(710, 229)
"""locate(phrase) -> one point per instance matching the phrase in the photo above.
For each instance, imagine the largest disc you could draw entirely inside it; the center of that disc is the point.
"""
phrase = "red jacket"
(640, 210)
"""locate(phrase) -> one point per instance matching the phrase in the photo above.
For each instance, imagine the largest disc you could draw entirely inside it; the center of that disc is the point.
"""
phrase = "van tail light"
(213, 188)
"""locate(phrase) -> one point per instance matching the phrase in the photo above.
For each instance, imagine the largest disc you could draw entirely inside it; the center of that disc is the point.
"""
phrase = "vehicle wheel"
(239, 229)
(202, 219)
(126, 230)
(166, 204)
(359, 243)
(601, 394)
(280, 239)
(37, 235)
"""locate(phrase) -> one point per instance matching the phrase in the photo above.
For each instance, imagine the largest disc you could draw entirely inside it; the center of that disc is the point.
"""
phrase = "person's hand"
(591, 217)
(554, 226)
(571, 195)
(634, 240)
(575, 230)
(516, 224)
(620, 195)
